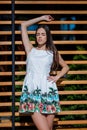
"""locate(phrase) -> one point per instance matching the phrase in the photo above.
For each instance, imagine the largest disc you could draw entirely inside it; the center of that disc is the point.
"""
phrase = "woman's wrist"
(57, 77)
(42, 18)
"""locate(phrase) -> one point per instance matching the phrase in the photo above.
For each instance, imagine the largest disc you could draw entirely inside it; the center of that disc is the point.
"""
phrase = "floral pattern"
(38, 102)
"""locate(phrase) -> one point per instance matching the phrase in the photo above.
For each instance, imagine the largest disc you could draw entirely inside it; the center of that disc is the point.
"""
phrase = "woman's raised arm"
(26, 42)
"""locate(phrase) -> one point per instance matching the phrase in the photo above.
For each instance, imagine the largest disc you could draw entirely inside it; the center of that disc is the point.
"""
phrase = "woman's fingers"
(50, 78)
(48, 17)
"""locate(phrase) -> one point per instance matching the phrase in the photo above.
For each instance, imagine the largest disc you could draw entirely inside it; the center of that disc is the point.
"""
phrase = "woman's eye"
(37, 34)
(43, 34)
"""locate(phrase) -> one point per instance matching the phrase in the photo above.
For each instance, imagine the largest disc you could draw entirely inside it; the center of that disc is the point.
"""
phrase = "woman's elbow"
(67, 68)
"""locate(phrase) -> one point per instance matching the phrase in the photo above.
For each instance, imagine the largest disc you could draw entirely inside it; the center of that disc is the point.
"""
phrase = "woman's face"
(41, 36)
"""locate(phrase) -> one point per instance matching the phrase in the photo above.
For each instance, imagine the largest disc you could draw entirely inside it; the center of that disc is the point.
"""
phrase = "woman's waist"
(32, 73)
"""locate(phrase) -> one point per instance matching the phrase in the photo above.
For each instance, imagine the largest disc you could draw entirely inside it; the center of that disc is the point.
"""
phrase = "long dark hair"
(50, 46)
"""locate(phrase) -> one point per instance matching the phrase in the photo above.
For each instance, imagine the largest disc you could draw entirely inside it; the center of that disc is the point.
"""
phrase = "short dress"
(39, 94)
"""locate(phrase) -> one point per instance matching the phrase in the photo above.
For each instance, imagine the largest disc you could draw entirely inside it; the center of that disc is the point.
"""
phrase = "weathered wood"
(61, 52)
(50, 12)
(53, 22)
(55, 42)
(51, 2)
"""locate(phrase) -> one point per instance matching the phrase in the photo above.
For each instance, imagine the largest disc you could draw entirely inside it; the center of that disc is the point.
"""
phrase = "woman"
(39, 93)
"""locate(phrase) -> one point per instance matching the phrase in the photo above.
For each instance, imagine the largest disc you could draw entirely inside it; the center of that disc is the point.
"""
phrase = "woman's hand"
(47, 18)
(53, 78)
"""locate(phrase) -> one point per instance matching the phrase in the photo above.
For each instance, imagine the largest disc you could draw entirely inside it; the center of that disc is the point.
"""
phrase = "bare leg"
(50, 119)
(40, 121)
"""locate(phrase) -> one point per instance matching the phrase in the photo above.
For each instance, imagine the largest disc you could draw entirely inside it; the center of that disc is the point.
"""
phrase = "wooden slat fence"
(71, 43)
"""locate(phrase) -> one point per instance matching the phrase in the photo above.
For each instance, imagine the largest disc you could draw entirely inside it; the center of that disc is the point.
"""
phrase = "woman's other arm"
(65, 67)
(63, 71)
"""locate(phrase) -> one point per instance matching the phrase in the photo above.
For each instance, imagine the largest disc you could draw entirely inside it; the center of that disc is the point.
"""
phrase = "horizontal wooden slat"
(72, 92)
(61, 52)
(62, 82)
(23, 62)
(60, 93)
(23, 72)
(5, 113)
(55, 42)
(57, 22)
(61, 42)
(53, 22)
(50, 2)
(61, 103)
(72, 122)
(73, 102)
(71, 128)
(75, 112)
(69, 122)
(5, 2)
(5, 42)
(5, 22)
(5, 124)
(9, 124)
(5, 12)
(50, 12)
(52, 32)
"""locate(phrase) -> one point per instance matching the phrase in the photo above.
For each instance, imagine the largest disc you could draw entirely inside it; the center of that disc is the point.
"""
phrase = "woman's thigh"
(40, 121)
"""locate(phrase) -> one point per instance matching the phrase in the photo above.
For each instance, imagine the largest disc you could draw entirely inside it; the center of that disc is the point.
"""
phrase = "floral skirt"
(46, 103)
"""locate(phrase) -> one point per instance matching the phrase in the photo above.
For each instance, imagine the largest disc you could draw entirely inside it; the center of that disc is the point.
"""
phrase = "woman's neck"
(41, 47)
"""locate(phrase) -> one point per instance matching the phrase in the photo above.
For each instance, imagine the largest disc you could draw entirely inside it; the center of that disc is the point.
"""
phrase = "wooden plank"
(23, 62)
(62, 82)
(73, 52)
(5, 32)
(71, 128)
(6, 93)
(76, 62)
(55, 32)
(50, 12)
(52, 22)
(5, 2)
(9, 124)
(52, 32)
(61, 103)
(5, 12)
(59, 82)
(5, 124)
(55, 42)
(64, 92)
(5, 113)
(23, 72)
(73, 102)
(5, 43)
(75, 112)
(5, 22)
(74, 92)
(50, 2)
(71, 122)
(61, 42)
